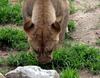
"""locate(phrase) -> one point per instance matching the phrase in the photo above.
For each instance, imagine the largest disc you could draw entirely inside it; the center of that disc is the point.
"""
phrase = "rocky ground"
(87, 21)
(87, 26)
(86, 74)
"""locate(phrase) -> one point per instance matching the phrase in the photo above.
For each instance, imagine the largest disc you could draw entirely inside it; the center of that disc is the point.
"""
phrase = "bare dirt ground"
(86, 74)
(87, 21)
(87, 26)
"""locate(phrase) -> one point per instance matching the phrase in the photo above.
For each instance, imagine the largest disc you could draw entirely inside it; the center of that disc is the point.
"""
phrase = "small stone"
(32, 72)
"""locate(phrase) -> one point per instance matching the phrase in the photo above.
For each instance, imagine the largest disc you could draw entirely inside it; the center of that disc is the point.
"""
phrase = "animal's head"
(43, 38)
(43, 29)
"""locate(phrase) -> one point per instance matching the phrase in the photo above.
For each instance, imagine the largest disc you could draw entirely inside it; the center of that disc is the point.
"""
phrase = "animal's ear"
(56, 26)
(28, 24)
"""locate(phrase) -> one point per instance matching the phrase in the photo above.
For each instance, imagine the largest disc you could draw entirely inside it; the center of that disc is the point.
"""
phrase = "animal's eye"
(31, 26)
(28, 26)
(56, 26)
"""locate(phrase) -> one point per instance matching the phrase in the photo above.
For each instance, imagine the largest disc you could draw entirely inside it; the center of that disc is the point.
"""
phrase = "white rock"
(32, 72)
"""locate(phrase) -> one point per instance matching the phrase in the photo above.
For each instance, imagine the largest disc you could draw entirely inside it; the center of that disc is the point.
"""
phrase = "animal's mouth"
(44, 57)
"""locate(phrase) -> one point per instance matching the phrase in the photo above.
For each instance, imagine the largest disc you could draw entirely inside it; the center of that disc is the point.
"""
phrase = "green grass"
(10, 13)
(71, 25)
(84, 56)
(21, 59)
(72, 8)
(13, 38)
(69, 73)
(75, 56)
(71, 28)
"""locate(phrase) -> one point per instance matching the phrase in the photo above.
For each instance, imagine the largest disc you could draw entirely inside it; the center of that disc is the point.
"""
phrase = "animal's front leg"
(64, 28)
(30, 47)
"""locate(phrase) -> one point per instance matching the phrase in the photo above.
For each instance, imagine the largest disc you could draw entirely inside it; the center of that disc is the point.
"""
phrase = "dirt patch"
(3, 53)
(86, 74)
(87, 5)
(87, 22)
(87, 26)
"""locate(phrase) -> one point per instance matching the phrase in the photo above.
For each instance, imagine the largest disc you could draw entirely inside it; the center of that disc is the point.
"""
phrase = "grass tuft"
(69, 73)
(71, 25)
(13, 38)
(10, 13)
(72, 8)
(21, 59)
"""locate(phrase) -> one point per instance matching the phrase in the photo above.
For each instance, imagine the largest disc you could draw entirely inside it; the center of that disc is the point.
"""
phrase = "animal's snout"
(44, 56)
